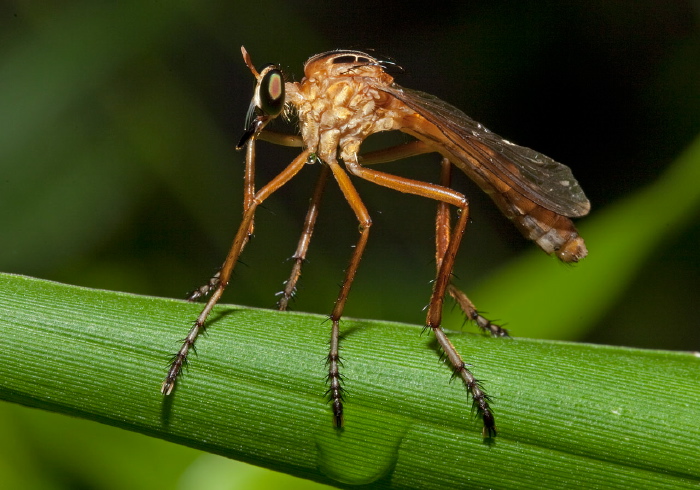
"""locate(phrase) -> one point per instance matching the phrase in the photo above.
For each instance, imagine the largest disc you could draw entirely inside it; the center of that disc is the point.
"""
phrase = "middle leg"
(299, 257)
(335, 390)
(378, 156)
(443, 277)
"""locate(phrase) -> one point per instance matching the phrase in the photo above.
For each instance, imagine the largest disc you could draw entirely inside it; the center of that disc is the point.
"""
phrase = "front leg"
(248, 195)
(241, 238)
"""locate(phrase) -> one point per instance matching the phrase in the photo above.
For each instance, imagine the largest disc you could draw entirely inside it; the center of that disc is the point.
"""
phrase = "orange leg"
(442, 279)
(442, 225)
(442, 239)
(299, 257)
(239, 242)
(248, 196)
(335, 390)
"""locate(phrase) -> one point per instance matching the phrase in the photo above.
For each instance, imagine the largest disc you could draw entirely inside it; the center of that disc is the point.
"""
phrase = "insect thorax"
(339, 113)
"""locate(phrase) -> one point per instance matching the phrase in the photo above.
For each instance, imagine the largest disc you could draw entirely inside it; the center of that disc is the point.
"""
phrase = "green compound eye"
(271, 92)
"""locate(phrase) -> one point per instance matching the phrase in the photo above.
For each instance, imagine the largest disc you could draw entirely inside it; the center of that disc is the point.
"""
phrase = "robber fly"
(344, 97)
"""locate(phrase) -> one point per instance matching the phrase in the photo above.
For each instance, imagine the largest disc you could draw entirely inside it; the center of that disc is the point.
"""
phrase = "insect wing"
(535, 176)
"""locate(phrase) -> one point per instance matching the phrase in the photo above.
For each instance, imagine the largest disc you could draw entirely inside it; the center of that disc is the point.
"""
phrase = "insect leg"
(290, 285)
(394, 153)
(471, 312)
(443, 224)
(434, 316)
(442, 239)
(248, 194)
(239, 242)
(335, 389)
(299, 256)
(282, 139)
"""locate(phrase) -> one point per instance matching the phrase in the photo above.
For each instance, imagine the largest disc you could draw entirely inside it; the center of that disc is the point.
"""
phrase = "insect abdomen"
(552, 232)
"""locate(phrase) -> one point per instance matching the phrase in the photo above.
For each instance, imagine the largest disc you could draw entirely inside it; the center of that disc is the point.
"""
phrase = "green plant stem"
(569, 415)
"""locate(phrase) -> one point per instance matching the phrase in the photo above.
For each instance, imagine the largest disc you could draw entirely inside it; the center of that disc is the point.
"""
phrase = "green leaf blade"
(575, 415)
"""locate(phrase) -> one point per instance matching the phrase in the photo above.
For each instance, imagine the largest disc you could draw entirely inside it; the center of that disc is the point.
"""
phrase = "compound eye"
(271, 91)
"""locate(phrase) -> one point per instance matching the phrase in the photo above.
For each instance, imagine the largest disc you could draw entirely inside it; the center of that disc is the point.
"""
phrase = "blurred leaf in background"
(117, 128)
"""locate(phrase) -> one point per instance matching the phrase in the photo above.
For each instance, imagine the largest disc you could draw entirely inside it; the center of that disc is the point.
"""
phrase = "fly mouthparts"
(255, 127)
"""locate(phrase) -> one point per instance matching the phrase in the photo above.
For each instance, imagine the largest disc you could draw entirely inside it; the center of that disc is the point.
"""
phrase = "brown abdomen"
(554, 233)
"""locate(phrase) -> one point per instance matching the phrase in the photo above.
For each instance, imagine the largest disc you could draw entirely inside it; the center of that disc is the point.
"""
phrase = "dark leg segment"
(471, 313)
(299, 257)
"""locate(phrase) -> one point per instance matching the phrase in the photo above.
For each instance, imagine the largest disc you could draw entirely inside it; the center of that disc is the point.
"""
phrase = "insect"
(344, 97)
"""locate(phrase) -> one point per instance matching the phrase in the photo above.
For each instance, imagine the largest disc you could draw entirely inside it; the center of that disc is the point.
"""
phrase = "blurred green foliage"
(117, 127)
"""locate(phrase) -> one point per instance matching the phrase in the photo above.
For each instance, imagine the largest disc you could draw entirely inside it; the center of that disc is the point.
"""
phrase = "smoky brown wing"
(535, 176)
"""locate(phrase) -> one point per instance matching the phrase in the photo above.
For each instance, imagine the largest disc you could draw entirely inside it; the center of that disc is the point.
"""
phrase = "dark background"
(118, 123)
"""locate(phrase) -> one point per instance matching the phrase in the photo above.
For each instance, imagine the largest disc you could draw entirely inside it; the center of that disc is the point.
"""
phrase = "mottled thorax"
(337, 109)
